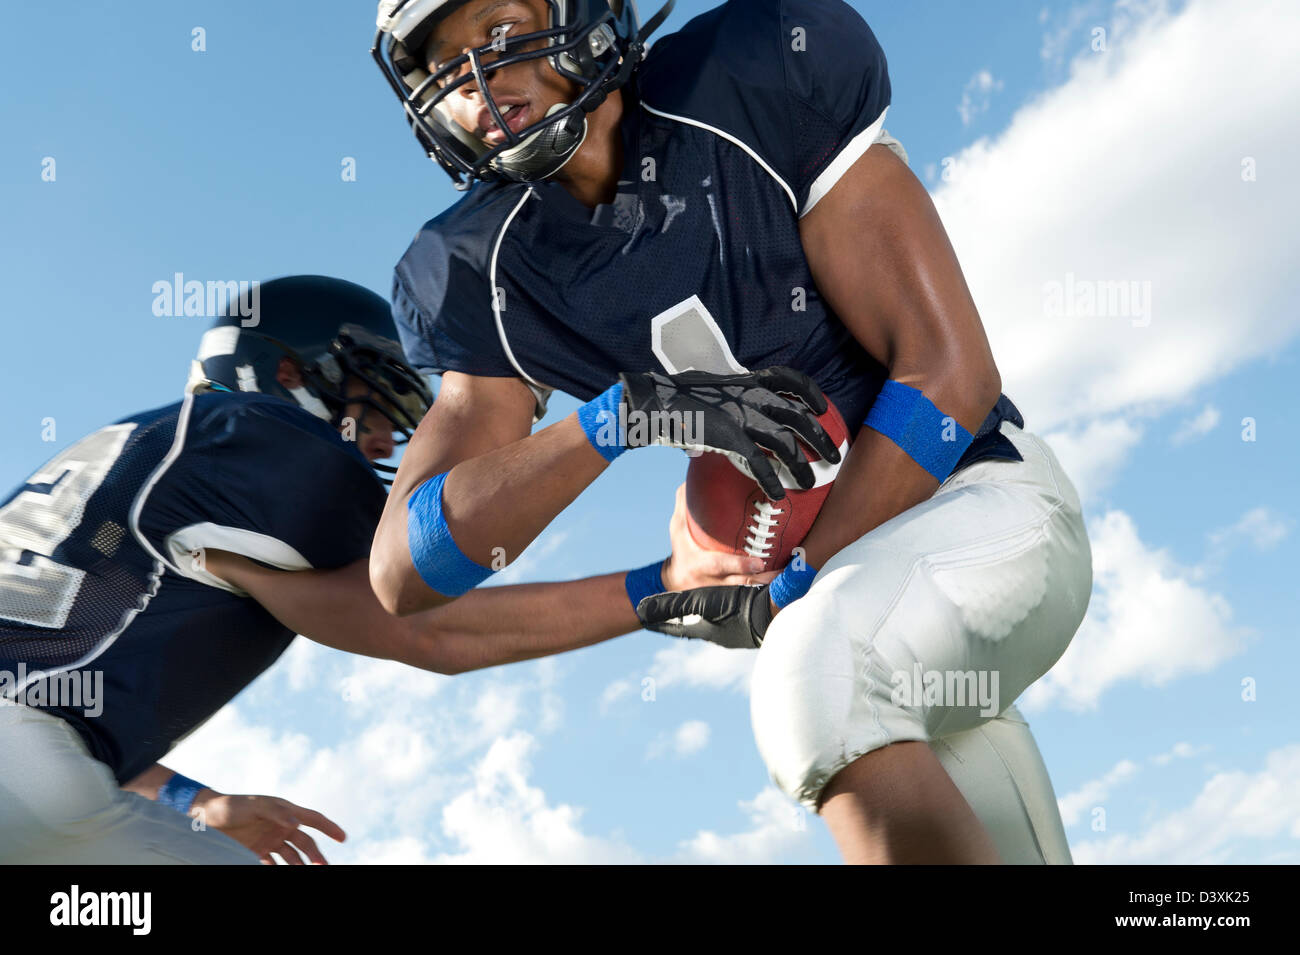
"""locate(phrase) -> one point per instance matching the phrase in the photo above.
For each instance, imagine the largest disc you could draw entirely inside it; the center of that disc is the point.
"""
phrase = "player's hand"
(266, 825)
(691, 566)
(732, 617)
(735, 415)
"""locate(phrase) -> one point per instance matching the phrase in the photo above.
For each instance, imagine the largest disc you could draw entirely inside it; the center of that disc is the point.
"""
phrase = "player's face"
(374, 432)
(523, 91)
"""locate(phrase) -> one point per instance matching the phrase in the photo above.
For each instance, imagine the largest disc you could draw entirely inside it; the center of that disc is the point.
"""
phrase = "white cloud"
(687, 740)
(1119, 176)
(1229, 818)
(614, 692)
(370, 684)
(400, 751)
(1260, 528)
(302, 662)
(1092, 455)
(1073, 805)
(504, 819)
(1179, 751)
(1197, 427)
(778, 830)
(976, 95)
(378, 783)
(1059, 36)
(691, 737)
(697, 663)
(1095, 792)
(403, 850)
(1147, 622)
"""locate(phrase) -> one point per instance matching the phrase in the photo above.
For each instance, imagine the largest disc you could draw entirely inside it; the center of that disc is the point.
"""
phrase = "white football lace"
(759, 541)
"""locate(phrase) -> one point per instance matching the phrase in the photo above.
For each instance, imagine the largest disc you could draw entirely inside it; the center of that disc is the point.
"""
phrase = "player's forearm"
(485, 627)
(495, 625)
(496, 504)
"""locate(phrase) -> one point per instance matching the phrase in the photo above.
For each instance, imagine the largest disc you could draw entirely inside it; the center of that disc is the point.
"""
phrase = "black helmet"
(331, 329)
(594, 43)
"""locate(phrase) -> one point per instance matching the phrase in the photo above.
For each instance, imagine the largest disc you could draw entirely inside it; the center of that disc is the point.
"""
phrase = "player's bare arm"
(881, 258)
(486, 627)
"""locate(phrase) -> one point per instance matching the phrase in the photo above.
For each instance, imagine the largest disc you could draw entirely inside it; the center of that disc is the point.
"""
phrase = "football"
(727, 511)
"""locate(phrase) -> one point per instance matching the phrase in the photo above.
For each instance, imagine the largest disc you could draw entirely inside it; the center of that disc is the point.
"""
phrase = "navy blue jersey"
(733, 128)
(99, 573)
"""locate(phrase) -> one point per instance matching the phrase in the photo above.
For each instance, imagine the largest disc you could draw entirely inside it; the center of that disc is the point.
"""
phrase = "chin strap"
(655, 21)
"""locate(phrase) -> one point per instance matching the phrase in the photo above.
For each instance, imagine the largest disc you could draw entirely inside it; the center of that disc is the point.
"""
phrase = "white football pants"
(928, 628)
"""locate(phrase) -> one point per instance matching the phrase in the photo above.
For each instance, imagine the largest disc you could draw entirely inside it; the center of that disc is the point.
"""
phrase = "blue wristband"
(179, 792)
(437, 559)
(599, 420)
(644, 582)
(907, 417)
(791, 584)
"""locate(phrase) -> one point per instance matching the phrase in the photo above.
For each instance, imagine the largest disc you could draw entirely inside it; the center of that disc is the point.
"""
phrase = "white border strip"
(178, 445)
(269, 550)
(731, 139)
(845, 158)
(496, 305)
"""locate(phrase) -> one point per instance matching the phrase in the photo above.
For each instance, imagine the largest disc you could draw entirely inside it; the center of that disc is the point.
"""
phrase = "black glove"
(735, 415)
(732, 617)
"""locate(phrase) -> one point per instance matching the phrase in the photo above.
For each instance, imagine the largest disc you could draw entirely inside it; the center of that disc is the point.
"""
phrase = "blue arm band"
(437, 559)
(599, 420)
(791, 584)
(645, 582)
(179, 792)
(932, 439)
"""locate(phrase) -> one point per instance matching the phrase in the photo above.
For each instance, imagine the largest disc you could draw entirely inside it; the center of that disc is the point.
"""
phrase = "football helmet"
(332, 330)
(594, 43)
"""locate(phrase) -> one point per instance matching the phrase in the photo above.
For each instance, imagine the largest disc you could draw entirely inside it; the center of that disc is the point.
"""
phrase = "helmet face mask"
(594, 44)
(334, 333)
(393, 389)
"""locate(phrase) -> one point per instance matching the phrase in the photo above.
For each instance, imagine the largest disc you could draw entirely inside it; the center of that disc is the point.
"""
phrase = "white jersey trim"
(540, 391)
(846, 157)
(794, 204)
(181, 544)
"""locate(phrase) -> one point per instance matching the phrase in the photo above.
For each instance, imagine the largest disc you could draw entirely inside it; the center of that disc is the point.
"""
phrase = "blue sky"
(1047, 156)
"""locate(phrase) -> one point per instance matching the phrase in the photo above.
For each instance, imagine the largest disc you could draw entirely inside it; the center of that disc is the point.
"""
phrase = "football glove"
(736, 415)
(732, 617)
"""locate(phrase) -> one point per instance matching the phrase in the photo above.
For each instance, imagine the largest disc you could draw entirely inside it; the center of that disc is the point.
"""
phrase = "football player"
(641, 231)
(153, 569)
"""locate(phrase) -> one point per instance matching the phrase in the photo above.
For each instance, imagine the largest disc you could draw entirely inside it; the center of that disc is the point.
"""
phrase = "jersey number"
(37, 590)
(687, 337)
